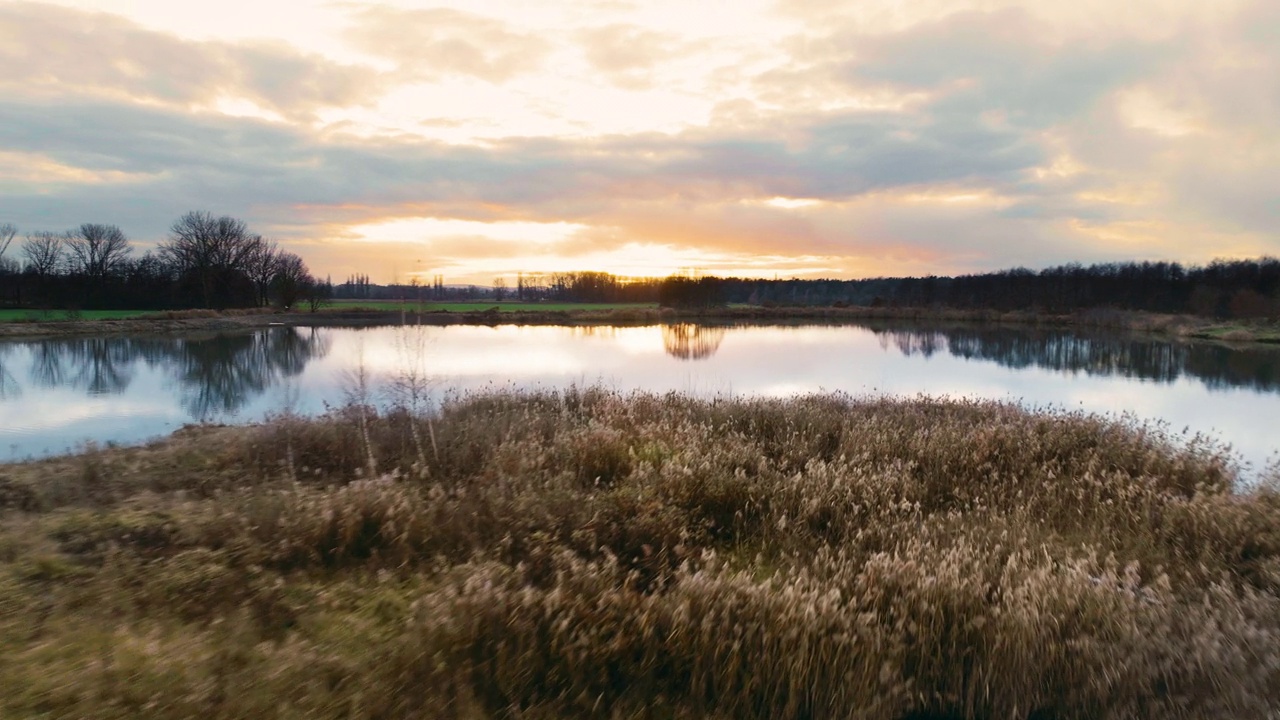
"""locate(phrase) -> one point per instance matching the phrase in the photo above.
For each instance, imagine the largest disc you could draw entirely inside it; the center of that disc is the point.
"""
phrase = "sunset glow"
(767, 137)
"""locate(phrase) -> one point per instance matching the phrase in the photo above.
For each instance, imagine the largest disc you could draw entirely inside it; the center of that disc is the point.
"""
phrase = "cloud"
(281, 174)
(684, 191)
(433, 43)
(994, 63)
(960, 140)
(50, 51)
(627, 55)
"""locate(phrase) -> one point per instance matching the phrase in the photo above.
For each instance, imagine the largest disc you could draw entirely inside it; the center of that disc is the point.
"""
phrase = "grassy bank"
(10, 315)
(588, 554)
(481, 306)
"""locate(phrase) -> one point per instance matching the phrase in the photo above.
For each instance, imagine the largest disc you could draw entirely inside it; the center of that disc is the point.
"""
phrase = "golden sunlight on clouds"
(760, 137)
(309, 24)
(425, 230)
(954, 197)
(1161, 239)
(33, 169)
(791, 203)
(644, 260)
(243, 107)
(1135, 19)
(1132, 194)
(1063, 166)
(464, 251)
(1143, 109)
(1133, 233)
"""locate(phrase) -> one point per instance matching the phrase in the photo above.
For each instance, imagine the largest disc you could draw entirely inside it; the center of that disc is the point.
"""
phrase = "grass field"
(1235, 332)
(481, 306)
(59, 315)
(588, 554)
(44, 316)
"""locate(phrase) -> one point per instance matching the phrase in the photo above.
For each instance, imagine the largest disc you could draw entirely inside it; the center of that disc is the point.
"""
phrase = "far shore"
(1171, 326)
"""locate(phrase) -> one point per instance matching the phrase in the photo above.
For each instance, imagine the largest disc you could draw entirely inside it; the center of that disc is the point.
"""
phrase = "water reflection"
(215, 373)
(102, 366)
(689, 341)
(221, 374)
(9, 387)
(1217, 366)
(60, 392)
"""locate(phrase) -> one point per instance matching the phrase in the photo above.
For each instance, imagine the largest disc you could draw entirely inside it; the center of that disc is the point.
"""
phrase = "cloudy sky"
(838, 138)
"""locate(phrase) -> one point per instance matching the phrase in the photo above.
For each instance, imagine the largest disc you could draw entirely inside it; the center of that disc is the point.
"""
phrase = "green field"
(30, 315)
(27, 315)
(481, 306)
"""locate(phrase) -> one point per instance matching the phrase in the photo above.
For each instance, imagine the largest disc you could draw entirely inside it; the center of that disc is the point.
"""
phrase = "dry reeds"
(592, 554)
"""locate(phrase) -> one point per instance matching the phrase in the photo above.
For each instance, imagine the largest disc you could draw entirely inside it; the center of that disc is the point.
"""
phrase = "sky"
(789, 138)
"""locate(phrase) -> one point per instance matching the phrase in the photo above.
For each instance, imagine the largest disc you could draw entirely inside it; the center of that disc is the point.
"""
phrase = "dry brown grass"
(590, 554)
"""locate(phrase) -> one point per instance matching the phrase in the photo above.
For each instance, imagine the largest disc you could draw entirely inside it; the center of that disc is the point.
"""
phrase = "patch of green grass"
(24, 315)
(481, 306)
(1238, 332)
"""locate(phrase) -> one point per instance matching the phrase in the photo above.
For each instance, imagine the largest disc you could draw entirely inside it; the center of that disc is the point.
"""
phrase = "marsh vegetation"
(586, 553)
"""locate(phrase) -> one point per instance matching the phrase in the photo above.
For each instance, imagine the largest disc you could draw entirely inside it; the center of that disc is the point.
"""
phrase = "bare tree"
(316, 293)
(499, 289)
(292, 280)
(97, 250)
(261, 265)
(43, 252)
(7, 233)
(209, 249)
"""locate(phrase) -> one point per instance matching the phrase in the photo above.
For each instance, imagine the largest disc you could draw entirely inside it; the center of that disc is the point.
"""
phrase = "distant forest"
(205, 262)
(215, 262)
(1222, 289)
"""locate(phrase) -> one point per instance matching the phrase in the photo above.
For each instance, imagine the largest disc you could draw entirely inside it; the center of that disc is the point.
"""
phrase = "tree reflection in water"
(689, 341)
(1217, 366)
(9, 387)
(221, 374)
(217, 373)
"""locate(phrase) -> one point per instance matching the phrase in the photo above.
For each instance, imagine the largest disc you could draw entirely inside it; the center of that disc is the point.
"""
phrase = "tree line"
(587, 287)
(1222, 289)
(206, 261)
(209, 261)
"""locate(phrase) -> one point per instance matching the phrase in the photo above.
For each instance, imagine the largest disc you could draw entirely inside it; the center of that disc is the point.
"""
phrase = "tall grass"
(593, 554)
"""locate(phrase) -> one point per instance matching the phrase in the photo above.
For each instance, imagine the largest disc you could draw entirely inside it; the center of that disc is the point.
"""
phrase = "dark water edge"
(1217, 365)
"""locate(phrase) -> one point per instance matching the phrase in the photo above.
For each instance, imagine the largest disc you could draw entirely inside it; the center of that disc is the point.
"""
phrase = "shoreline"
(1174, 327)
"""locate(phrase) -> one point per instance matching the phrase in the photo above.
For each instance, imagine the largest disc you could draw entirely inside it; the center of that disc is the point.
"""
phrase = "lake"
(57, 394)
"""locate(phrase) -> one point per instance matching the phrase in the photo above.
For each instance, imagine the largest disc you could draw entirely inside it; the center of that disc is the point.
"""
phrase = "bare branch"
(97, 250)
(43, 252)
(211, 250)
(7, 233)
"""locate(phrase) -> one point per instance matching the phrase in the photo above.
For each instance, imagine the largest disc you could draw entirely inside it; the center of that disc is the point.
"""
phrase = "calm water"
(57, 394)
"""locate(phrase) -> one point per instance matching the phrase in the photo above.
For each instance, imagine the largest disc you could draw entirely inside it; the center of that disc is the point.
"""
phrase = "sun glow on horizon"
(788, 203)
(428, 229)
(789, 138)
